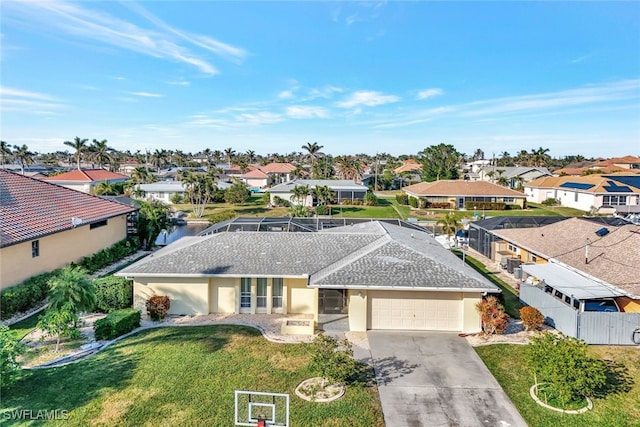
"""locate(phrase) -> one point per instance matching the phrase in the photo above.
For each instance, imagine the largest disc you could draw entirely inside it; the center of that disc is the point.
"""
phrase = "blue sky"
(356, 77)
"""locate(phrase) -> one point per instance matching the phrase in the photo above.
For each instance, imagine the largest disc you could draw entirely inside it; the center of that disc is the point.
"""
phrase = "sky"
(355, 77)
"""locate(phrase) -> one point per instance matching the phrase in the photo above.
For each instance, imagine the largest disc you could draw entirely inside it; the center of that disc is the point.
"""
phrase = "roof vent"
(602, 232)
(76, 221)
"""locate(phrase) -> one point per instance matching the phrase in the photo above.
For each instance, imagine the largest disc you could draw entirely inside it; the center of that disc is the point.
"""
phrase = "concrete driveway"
(436, 379)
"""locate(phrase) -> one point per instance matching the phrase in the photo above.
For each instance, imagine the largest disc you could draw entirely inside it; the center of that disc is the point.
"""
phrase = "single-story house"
(608, 254)
(601, 166)
(343, 190)
(587, 192)
(163, 190)
(86, 179)
(460, 194)
(46, 226)
(382, 276)
(513, 176)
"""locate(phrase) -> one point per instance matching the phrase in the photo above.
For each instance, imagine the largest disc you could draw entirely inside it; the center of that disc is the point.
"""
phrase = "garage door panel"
(415, 310)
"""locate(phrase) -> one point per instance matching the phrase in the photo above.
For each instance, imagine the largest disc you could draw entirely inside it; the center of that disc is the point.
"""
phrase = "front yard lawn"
(616, 409)
(185, 376)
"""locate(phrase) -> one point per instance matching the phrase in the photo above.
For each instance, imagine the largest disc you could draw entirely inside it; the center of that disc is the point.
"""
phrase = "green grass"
(511, 301)
(185, 376)
(25, 326)
(618, 407)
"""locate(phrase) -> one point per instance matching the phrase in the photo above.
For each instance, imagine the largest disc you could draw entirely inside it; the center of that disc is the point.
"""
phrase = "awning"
(569, 282)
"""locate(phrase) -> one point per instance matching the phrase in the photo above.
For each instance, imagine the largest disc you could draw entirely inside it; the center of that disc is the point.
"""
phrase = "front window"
(277, 292)
(245, 292)
(35, 248)
(261, 298)
(614, 200)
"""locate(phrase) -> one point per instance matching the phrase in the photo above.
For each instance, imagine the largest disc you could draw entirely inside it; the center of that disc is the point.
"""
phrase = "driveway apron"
(436, 379)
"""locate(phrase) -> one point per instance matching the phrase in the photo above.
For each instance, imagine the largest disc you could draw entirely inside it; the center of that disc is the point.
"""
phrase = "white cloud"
(26, 101)
(429, 93)
(164, 42)
(325, 92)
(306, 112)
(147, 94)
(179, 83)
(368, 98)
(285, 94)
(256, 119)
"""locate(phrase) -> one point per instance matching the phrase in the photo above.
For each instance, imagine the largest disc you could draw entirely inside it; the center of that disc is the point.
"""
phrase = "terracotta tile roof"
(278, 168)
(408, 167)
(613, 258)
(461, 188)
(255, 174)
(31, 208)
(87, 175)
(598, 183)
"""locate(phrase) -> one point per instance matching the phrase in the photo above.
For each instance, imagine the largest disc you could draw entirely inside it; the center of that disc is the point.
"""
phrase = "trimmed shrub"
(370, 199)
(494, 318)
(113, 293)
(423, 203)
(158, 307)
(402, 198)
(413, 202)
(532, 318)
(551, 202)
(109, 255)
(487, 206)
(176, 198)
(116, 323)
(440, 205)
(322, 210)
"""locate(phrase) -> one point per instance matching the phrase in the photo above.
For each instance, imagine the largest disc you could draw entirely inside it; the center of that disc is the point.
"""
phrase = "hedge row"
(110, 255)
(113, 293)
(488, 206)
(30, 294)
(116, 323)
(33, 291)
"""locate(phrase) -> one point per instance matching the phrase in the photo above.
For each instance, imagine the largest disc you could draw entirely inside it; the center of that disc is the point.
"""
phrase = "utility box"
(513, 263)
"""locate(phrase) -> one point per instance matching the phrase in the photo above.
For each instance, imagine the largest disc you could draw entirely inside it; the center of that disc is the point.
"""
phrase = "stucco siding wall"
(357, 311)
(470, 316)
(58, 250)
(301, 300)
(222, 295)
(187, 295)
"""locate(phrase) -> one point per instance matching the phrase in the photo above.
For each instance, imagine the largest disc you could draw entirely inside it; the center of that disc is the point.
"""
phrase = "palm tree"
(153, 217)
(159, 159)
(200, 188)
(23, 155)
(349, 168)
(449, 224)
(5, 150)
(323, 194)
(80, 145)
(229, 154)
(300, 193)
(100, 152)
(313, 152)
(250, 156)
(71, 286)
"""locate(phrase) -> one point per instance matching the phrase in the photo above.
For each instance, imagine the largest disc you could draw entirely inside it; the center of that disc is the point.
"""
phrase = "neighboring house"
(410, 171)
(86, 179)
(607, 166)
(174, 173)
(609, 253)
(46, 226)
(574, 263)
(128, 167)
(459, 194)
(587, 192)
(163, 190)
(381, 276)
(344, 191)
(256, 178)
(512, 176)
(279, 172)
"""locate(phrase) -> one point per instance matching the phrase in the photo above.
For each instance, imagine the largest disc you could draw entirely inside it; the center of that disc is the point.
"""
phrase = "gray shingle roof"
(334, 184)
(367, 255)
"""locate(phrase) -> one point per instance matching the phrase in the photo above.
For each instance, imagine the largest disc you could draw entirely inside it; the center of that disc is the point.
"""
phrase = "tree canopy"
(439, 162)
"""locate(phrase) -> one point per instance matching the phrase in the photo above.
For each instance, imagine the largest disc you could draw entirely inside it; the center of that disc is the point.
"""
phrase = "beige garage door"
(435, 311)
